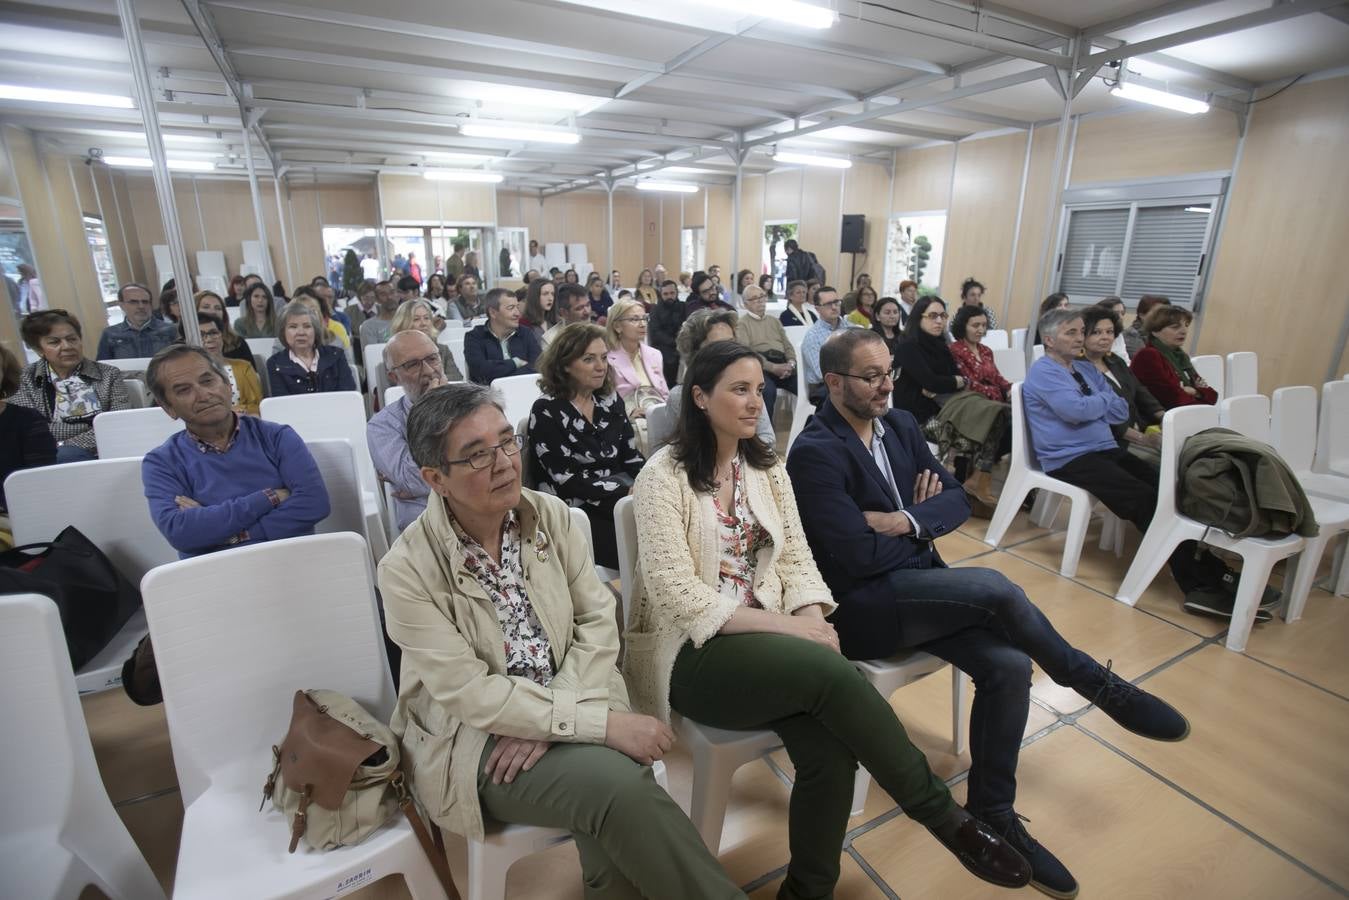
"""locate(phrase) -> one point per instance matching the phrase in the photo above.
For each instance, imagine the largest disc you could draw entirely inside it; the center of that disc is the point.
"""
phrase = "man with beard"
(413, 362)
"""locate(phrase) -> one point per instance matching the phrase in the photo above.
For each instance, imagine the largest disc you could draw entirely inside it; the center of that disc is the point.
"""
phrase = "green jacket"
(1241, 486)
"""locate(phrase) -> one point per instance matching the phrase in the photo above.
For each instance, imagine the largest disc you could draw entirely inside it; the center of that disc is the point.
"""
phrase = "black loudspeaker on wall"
(853, 239)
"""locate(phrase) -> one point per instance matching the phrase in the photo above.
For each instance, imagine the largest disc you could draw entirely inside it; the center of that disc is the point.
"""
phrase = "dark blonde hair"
(569, 345)
(1165, 316)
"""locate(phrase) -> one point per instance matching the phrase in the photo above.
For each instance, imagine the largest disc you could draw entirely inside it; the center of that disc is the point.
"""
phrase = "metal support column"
(281, 223)
(159, 168)
(609, 220)
(739, 158)
(268, 274)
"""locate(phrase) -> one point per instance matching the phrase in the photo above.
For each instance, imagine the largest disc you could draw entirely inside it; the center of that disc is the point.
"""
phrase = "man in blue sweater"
(226, 479)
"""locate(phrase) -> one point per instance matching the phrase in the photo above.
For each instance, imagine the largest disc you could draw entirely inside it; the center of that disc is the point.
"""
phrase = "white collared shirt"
(882, 459)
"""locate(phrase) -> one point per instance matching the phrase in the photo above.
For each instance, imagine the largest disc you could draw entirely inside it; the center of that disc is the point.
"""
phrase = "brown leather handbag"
(337, 775)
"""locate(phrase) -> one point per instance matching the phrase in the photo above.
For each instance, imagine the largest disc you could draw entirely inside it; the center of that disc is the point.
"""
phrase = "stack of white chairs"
(211, 272)
(1169, 527)
(254, 254)
(1212, 368)
(61, 833)
(995, 338)
(105, 500)
(133, 432)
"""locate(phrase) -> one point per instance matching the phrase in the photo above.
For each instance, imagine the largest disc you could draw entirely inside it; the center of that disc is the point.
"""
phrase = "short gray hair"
(494, 297)
(388, 345)
(1052, 321)
(693, 333)
(439, 410)
(294, 310)
(170, 353)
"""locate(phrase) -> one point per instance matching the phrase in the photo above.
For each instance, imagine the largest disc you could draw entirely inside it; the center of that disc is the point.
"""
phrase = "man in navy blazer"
(873, 499)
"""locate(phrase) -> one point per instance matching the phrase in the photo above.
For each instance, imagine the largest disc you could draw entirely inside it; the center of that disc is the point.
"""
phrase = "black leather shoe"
(981, 850)
(1048, 875)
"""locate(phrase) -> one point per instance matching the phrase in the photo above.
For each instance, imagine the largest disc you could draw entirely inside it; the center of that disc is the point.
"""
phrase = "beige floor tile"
(1312, 647)
(1022, 529)
(1094, 624)
(1121, 832)
(853, 884)
(1264, 748)
(957, 545)
(155, 826)
(131, 744)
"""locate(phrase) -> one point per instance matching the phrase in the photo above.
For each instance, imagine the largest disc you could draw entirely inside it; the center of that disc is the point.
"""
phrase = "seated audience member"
(231, 345)
(1071, 411)
(1162, 365)
(850, 299)
(236, 292)
(600, 298)
(865, 299)
(639, 371)
(1101, 327)
(647, 290)
(328, 296)
(245, 389)
(167, 308)
(471, 265)
(704, 293)
(511, 707)
(139, 335)
(908, 296)
(540, 308)
(828, 309)
(435, 291)
(363, 307)
(872, 499)
(766, 285)
(25, 442)
(412, 360)
(972, 295)
(958, 419)
(582, 446)
(728, 629)
(573, 307)
(707, 327)
(377, 328)
(743, 279)
(500, 347)
(259, 318)
(303, 366)
(226, 479)
(67, 389)
(765, 335)
(1114, 305)
(667, 317)
(974, 361)
(558, 277)
(467, 303)
(798, 311)
(1135, 337)
(419, 315)
(409, 288)
(1053, 301)
(886, 320)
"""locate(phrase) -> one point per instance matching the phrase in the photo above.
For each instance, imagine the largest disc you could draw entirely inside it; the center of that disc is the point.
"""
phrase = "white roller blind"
(1093, 252)
(1164, 253)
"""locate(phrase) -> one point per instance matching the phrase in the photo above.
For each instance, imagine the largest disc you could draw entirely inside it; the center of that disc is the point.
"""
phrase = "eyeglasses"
(822, 304)
(1081, 383)
(636, 320)
(873, 381)
(485, 457)
(413, 366)
(937, 317)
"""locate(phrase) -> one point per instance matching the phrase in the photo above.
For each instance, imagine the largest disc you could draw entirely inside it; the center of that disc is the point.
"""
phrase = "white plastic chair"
(1332, 433)
(1037, 351)
(1169, 527)
(1243, 374)
(1211, 368)
(1018, 340)
(232, 627)
(261, 347)
(137, 392)
(801, 408)
(1011, 363)
(393, 394)
(659, 426)
(454, 339)
(1023, 474)
(995, 338)
(61, 833)
(337, 414)
(519, 393)
(105, 500)
(337, 465)
(137, 364)
(133, 432)
(377, 379)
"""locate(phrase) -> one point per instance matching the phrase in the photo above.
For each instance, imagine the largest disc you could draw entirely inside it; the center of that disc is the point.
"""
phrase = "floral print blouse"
(528, 651)
(740, 537)
(585, 462)
(982, 372)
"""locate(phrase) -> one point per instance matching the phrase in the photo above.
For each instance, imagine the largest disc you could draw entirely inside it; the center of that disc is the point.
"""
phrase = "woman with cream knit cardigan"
(728, 628)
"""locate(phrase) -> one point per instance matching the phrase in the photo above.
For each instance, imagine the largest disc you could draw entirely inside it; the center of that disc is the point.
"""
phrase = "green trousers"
(829, 718)
(634, 841)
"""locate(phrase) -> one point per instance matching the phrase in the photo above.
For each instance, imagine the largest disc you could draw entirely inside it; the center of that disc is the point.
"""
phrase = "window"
(774, 255)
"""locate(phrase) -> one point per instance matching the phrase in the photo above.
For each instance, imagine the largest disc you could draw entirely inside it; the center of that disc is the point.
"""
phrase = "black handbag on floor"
(94, 600)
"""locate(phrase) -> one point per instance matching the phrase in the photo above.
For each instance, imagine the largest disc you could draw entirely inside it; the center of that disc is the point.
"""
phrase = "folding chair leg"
(1255, 571)
(959, 724)
(1158, 543)
(1009, 504)
(860, 785)
(1079, 517)
(1301, 574)
(711, 785)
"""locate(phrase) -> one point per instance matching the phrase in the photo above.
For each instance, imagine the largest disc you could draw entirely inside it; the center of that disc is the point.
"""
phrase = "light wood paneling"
(982, 217)
(671, 223)
(651, 232)
(866, 191)
(1152, 144)
(922, 179)
(782, 195)
(719, 236)
(628, 240)
(1025, 296)
(1287, 215)
(693, 208)
(749, 242)
(821, 198)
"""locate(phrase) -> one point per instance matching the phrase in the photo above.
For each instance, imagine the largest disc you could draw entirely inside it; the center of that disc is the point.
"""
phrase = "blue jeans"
(68, 453)
(983, 624)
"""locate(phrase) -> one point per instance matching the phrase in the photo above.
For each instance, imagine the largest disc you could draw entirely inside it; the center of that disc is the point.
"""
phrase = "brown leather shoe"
(981, 850)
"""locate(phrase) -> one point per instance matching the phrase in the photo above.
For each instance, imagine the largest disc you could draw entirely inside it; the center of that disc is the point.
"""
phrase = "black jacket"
(926, 364)
(666, 320)
(286, 378)
(1144, 410)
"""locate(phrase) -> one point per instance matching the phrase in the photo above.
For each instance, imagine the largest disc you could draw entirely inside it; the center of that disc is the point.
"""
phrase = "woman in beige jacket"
(729, 629)
(510, 705)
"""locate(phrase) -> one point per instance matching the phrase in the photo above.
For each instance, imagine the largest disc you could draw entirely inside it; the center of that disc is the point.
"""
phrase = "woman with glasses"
(638, 368)
(582, 446)
(245, 389)
(304, 365)
(67, 389)
(232, 346)
(959, 420)
(420, 315)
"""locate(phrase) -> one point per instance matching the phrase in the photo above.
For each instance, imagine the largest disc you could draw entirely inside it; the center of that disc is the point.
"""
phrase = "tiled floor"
(1255, 804)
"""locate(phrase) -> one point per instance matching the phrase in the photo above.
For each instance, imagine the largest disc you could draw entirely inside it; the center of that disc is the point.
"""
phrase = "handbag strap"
(434, 848)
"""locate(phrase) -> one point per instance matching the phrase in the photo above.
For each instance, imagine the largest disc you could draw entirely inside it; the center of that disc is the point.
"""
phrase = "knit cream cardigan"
(676, 598)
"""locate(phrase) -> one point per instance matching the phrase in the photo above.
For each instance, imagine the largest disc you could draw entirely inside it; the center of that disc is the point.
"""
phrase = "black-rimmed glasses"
(873, 381)
(413, 366)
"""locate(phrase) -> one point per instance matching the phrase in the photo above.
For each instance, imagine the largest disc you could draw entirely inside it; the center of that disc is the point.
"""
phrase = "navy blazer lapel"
(901, 463)
(861, 455)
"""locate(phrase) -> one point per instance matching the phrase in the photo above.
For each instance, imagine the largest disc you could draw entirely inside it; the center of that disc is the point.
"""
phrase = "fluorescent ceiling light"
(793, 12)
(178, 165)
(811, 159)
(1131, 90)
(670, 186)
(1199, 209)
(461, 175)
(50, 95)
(514, 131)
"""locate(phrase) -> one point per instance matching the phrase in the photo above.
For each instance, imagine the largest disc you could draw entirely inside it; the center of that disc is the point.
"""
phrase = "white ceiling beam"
(955, 112)
(795, 40)
(916, 24)
(907, 130)
(704, 46)
(1142, 17)
(774, 84)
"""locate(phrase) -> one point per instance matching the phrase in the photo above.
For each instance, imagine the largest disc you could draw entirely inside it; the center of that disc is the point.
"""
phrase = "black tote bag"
(94, 600)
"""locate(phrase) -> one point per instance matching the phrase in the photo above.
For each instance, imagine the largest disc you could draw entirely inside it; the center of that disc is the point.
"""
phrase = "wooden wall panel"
(1278, 286)
(749, 242)
(651, 233)
(1025, 295)
(693, 209)
(982, 217)
(922, 179)
(671, 219)
(866, 191)
(628, 239)
(719, 236)
(820, 216)
(782, 195)
(306, 246)
(1152, 144)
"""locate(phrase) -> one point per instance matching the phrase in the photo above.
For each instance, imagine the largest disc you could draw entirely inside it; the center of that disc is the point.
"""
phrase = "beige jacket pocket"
(426, 761)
